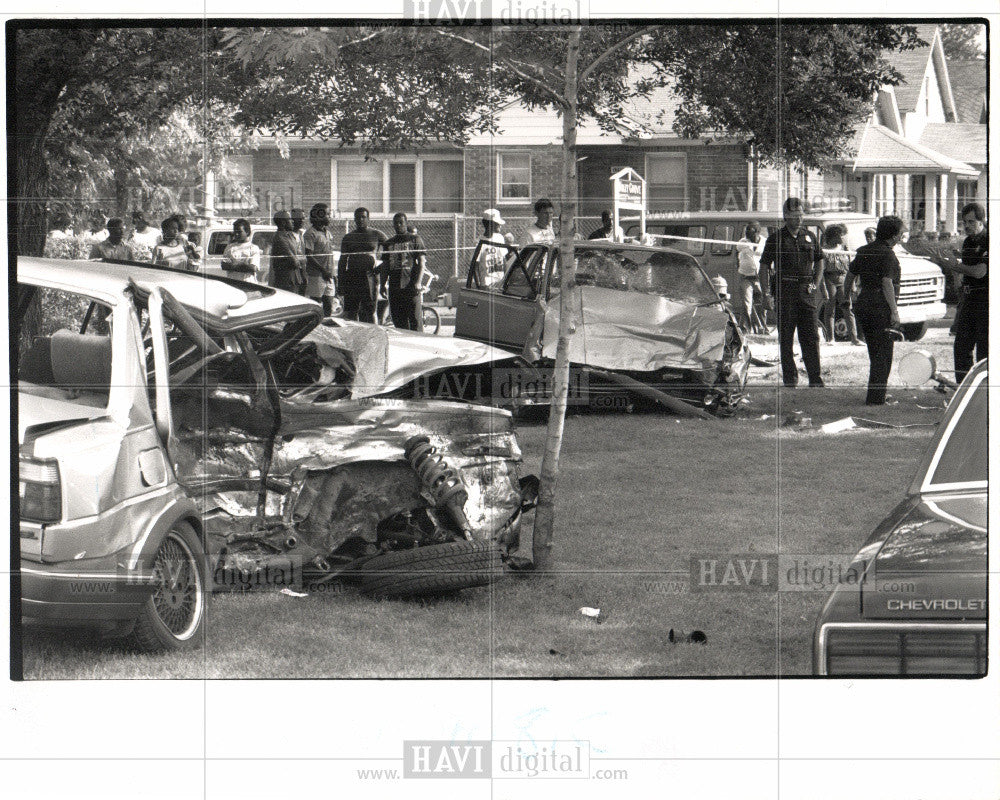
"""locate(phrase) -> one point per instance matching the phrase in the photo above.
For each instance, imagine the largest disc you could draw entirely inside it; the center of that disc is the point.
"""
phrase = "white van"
(922, 285)
(216, 239)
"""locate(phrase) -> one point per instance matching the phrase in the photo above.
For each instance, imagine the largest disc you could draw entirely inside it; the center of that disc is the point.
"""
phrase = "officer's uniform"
(972, 325)
(794, 260)
(872, 264)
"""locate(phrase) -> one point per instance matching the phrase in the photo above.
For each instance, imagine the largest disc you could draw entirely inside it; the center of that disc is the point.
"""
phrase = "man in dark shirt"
(114, 248)
(972, 317)
(797, 261)
(287, 258)
(405, 257)
(875, 265)
(357, 270)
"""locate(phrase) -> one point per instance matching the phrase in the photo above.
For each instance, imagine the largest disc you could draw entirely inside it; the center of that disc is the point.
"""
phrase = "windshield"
(669, 274)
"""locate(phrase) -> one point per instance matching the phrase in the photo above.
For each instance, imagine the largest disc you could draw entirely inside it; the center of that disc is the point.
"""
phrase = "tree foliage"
(963, 42)
(796, 92)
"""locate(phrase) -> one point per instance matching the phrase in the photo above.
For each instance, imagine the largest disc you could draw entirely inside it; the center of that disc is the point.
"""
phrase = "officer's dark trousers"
(972, 328)
(873, 318)
(405, 308)
(359, 307)
(794, 314)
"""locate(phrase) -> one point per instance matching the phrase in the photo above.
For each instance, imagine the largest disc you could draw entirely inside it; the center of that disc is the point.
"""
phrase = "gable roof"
(968, 84)
(913, 64)
(877, 149)
(964, 141)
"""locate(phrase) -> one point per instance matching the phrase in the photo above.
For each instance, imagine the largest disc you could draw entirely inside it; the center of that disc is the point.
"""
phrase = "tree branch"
(604, 56)
(557, 98)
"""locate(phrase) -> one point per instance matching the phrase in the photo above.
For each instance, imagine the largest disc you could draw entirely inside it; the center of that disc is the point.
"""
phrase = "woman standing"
(877, 268)
(834, 274)
(172, 251)
(241, 258)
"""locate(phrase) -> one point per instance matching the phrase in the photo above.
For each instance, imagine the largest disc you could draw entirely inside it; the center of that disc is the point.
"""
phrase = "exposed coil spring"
(442, 482)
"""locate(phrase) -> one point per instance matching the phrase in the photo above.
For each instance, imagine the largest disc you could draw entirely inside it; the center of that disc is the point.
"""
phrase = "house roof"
(963, 141)
(912, 66)
(878, 149)
(968, 84)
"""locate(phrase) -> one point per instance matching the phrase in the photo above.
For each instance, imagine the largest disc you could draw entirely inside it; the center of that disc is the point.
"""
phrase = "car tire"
(432, 569)
(914, 331)
(173, 617)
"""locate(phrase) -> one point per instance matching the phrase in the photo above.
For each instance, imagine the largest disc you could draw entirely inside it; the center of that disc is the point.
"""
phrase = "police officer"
(972, 325)
(875, 265)
(797, 262)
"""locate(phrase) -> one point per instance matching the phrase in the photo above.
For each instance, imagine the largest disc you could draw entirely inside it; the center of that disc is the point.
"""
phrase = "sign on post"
(628, 189)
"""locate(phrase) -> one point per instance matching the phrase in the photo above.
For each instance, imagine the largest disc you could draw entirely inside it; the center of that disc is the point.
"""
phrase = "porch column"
(949, 203)
(903, 206)
(930, 203)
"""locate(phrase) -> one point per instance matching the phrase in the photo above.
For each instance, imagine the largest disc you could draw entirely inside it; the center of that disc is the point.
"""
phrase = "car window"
(218, 242)
(961, 457)
(64, 341)
(669, 274)
(522, 280)
(694, 231)
(722, 233)
(263, 239)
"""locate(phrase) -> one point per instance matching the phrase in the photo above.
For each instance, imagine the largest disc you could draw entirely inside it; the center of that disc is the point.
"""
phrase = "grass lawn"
(640, 496)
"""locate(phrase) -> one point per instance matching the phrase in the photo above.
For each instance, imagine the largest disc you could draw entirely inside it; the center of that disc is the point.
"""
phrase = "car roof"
(221, 302)
(605, 244)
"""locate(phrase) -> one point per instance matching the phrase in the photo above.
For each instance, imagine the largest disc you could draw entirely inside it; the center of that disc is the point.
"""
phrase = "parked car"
(174, 427)
(922, 284)
(650, 322)
(919, 607)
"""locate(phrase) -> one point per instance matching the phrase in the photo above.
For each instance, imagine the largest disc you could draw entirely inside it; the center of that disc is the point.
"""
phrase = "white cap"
(493, 216)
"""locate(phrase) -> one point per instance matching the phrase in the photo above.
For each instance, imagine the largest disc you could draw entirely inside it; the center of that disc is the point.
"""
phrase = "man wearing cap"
(797, 261)
(357, 270)
(491, 259)
(288, 260)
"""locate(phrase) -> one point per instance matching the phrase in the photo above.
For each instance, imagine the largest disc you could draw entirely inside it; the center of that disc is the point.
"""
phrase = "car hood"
(932, 563)
(633, 331)
(385, 360)
(39, 413)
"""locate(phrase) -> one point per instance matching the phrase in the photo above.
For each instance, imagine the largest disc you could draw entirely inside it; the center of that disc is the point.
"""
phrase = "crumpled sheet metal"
(320, 437)
(633, 331)
(385, 359)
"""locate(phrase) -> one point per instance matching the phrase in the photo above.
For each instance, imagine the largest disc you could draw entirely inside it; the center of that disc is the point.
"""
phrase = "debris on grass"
(678, 637)
(845, 424)
(593, 613)
(293, 593)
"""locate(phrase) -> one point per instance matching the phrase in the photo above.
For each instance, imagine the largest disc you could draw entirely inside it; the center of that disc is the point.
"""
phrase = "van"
(217, 238)
(922, 284)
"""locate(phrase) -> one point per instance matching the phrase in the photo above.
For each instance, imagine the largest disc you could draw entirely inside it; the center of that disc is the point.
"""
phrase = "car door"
(503, 317)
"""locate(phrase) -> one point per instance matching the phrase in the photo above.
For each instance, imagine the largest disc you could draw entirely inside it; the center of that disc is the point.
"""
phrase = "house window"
(515, 177)
(442, 187)
(884, 195)
(666, 181)
(359, 183)
(421, 186)
(966, 191)
(403, 187)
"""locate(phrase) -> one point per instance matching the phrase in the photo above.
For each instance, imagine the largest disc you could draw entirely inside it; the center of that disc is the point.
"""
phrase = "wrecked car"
(648, 321)
(177, 430)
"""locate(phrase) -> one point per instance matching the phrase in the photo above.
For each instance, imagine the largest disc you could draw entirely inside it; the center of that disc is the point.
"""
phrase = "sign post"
(629, 192)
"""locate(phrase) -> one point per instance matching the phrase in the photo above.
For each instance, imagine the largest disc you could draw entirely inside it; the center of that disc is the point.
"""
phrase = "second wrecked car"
(648, 320)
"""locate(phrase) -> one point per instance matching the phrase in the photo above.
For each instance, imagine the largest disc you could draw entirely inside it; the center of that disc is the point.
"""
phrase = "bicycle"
(429, 313)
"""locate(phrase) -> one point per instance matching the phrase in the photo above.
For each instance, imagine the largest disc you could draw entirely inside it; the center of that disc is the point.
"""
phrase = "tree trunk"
(32, 189)
(541, 546)
(754, 179)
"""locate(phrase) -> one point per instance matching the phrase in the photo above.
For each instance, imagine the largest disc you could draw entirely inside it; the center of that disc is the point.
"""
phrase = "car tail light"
(899, 652)
(40, 489)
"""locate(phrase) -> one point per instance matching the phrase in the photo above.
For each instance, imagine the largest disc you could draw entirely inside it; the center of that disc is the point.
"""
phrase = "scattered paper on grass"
(587, 611)
(293, 593)
(840, 425)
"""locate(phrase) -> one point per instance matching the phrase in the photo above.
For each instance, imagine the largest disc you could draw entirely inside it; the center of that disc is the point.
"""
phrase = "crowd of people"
(805, 281)
(809, 281)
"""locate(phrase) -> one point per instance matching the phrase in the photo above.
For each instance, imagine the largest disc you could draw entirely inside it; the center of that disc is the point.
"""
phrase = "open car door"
(502, 313)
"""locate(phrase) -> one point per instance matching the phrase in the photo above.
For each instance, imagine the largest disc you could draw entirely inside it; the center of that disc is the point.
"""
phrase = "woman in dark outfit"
(877, 268)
